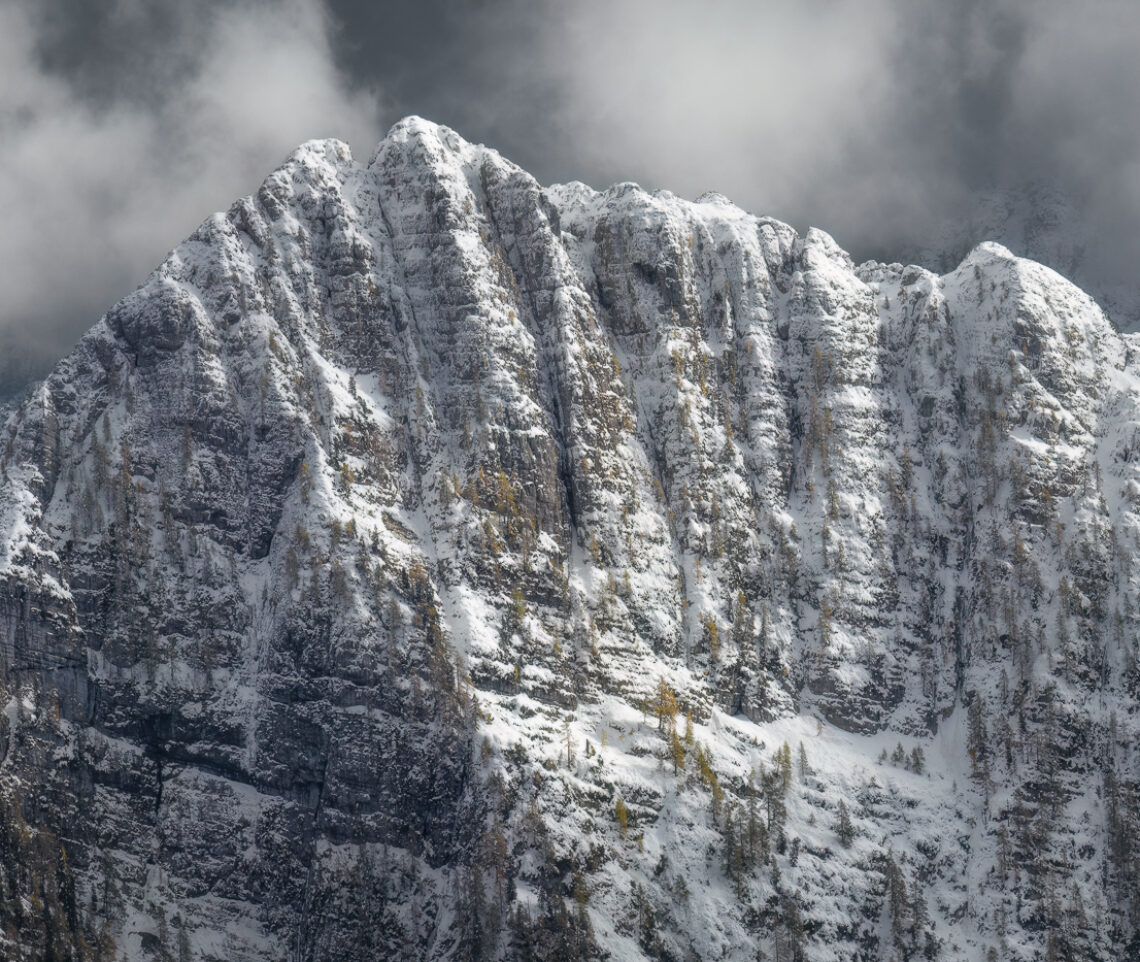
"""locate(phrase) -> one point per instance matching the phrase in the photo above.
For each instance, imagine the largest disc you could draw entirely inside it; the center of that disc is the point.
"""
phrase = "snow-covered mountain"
(1043, 222)
(424, 564)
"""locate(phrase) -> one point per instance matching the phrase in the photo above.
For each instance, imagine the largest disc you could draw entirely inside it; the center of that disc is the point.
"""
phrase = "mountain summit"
(426, 564)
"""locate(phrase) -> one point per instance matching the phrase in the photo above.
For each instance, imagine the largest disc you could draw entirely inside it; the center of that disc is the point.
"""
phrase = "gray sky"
(909, 129)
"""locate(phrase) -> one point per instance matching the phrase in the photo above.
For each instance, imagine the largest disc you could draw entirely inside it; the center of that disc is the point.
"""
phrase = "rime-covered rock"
(427, 564)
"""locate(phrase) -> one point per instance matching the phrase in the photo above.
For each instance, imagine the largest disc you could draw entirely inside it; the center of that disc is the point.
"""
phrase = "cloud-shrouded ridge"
(908, 129)
(897, 126)
(97, 185)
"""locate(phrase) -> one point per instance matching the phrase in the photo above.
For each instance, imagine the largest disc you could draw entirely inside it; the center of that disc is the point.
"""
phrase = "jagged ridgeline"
(424, 564)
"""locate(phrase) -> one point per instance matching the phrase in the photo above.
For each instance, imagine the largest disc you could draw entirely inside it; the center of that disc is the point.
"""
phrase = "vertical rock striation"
(426, 564)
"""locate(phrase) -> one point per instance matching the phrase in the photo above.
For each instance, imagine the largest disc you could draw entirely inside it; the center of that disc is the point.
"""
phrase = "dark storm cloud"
(474, 65)
(907, 128)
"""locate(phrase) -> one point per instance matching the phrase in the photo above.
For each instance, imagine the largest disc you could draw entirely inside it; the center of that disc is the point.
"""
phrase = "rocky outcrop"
(423, 563)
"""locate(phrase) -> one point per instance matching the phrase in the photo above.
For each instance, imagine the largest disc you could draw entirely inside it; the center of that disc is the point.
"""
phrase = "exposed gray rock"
(358, 573)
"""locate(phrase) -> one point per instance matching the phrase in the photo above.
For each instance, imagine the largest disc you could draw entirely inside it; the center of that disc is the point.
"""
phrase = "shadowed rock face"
(358, 571)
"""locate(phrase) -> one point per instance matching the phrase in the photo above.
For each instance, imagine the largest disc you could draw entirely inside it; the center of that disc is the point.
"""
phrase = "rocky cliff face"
(426, 564)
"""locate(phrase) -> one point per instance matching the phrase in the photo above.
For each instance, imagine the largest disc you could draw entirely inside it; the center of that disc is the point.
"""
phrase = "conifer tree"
(843, 825)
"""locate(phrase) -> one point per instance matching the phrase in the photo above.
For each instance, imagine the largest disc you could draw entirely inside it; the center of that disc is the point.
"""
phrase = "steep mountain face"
(426, 564)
